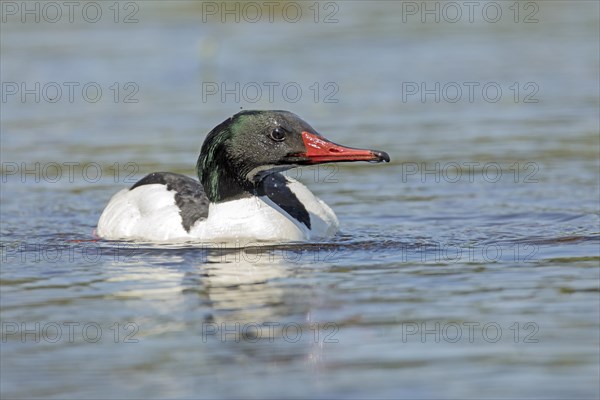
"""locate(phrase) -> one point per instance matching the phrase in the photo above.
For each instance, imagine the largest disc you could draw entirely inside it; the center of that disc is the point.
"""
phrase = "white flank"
(149, 212)
(146, 212)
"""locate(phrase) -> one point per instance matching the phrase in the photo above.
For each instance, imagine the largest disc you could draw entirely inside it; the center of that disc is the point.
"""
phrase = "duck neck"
(222, 183)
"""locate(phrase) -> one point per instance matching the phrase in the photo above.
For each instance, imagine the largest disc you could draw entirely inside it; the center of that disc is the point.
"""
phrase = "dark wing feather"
(275, 187)
(189, 195)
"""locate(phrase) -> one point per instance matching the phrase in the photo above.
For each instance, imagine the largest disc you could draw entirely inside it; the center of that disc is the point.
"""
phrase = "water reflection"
(251, 311)
(243, 282)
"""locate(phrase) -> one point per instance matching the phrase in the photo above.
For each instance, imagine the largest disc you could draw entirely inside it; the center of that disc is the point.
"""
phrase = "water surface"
(466, 268)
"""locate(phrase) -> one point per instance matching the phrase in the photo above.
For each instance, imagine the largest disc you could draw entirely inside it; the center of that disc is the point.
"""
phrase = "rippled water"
(466, 268)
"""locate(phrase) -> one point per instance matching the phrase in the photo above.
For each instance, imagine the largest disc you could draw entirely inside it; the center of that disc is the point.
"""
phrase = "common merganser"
(241, 193)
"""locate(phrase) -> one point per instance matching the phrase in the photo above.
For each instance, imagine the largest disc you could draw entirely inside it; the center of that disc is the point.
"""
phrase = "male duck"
(241, 193)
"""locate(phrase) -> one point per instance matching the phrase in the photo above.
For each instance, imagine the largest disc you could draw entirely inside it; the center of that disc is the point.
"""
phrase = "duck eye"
(278, 135)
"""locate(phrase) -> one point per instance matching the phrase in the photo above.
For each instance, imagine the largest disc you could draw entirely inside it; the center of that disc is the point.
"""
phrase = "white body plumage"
(150, 213)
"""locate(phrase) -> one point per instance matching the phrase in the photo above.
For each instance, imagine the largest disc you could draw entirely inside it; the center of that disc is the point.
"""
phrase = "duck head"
(241, 151)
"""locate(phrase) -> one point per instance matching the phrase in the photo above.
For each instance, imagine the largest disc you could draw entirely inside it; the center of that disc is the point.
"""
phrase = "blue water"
(468, 267)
